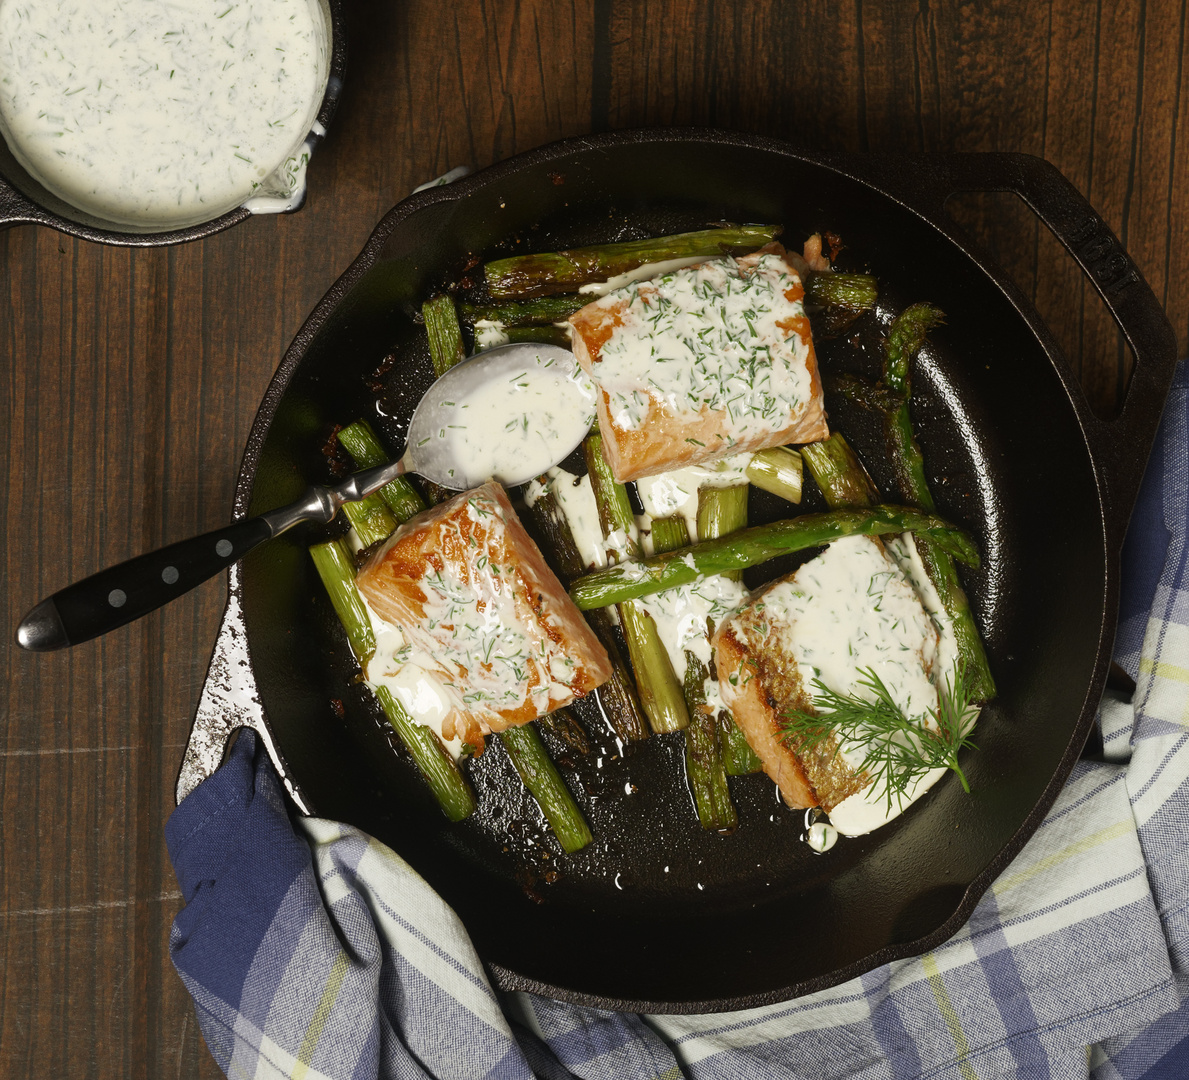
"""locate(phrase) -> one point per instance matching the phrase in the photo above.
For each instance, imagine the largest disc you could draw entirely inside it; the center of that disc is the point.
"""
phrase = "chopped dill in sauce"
(721, 337)
(160, 114)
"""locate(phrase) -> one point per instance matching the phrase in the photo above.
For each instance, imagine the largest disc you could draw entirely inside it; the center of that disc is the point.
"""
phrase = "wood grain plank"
(132, 376)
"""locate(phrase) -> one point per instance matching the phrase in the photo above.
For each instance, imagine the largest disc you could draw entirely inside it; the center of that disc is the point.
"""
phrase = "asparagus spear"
(336, 568)
(627, 581)
(778, 470)
(511, 313)
(738, 758)
(545, 335)
(532, 761)
(617, 697)
(854, 292)
(370, 518)
(362, 443)
(722, 511)
(704, 765)
(839, 473)
(904, 340)
(445, 337)
(564, 271)
(563, 725)
(855, 388)
(493, 334)
(703, 760)
(541, 777)
(660, 694)
(668, 534)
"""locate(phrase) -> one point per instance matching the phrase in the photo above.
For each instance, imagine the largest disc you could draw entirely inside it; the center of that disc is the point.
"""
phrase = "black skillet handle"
(119, 594)
(1121, 446)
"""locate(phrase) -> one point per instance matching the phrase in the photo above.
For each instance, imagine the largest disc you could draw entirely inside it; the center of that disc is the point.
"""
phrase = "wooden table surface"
(131, 377)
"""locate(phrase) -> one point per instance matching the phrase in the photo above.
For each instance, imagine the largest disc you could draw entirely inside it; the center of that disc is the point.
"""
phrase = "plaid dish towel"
(317, 952)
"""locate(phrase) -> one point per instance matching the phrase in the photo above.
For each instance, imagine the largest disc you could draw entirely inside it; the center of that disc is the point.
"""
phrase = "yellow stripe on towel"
(1103, 836)
(338, 971)
(949, 1014)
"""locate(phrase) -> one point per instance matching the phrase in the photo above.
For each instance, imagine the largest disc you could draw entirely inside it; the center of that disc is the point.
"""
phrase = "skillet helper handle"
(1122, 445)
(119, 594)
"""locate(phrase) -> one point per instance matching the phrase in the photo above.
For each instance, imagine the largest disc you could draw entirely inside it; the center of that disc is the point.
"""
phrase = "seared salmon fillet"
(474, 599)
(849, 610)
(702, 363)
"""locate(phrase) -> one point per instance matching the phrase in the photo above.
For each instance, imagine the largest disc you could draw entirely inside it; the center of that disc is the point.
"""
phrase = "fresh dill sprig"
(898, 748)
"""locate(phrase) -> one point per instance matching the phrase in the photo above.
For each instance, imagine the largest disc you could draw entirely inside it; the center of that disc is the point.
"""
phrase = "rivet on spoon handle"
(119, 594)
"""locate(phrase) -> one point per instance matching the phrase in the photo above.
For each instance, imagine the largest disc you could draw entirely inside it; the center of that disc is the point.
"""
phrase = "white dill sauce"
(575, 498)
(855, 608)
(159, 114)
(682, 616)
(408, 677)
(675, 492)
(517, 424)
(849, 610)
(717, 337)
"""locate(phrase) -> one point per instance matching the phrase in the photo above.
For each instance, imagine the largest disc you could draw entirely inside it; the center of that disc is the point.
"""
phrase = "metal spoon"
(120, 594)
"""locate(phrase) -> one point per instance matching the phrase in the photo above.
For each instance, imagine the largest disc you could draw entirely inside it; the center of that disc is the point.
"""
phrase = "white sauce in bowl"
(161, 114)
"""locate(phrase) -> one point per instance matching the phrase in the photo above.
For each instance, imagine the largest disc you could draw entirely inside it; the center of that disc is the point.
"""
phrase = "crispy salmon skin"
(699, 364)
(474, 598)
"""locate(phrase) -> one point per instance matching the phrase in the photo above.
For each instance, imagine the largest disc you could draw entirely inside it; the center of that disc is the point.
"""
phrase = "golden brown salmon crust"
(759, 684)
(671, 440)
(474, 550)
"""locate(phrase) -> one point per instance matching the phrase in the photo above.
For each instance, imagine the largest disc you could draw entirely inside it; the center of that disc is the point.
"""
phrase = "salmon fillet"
(472, 595)
(850, 609)
(702, 363)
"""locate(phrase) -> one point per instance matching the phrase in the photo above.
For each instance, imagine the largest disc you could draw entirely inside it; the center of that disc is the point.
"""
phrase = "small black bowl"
(24, 201)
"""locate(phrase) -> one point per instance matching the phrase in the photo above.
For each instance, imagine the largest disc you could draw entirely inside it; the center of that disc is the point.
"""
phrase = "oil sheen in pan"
(647, 841)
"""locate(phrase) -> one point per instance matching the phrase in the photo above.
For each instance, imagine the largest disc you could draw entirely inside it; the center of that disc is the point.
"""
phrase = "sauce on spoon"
(509, 414)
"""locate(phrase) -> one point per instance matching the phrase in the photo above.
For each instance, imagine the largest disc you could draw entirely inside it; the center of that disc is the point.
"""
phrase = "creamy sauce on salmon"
(868, 809)
(477, 628)
(855, 608)
(718, 337)
(408, 675)
(849, 610)
(157, 114)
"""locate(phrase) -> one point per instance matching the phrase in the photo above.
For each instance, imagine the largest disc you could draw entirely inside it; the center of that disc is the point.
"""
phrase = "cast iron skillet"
(24, 201)
(657, 915)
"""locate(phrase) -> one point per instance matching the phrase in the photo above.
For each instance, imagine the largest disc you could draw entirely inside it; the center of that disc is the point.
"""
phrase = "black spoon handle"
(115, 596)
(119, 594)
